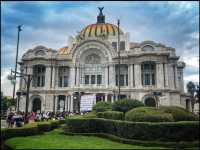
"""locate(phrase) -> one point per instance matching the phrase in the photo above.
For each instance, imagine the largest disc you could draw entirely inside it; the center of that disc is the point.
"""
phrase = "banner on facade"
(87, 101)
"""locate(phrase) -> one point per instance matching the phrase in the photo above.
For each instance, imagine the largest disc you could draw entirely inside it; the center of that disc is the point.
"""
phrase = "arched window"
(148, 73)
(63, 74)
(150, 102)
(39, 76)
(147, 48)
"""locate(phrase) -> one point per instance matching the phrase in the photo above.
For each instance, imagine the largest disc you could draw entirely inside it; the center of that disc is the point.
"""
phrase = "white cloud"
(6, 86)
(191, 61)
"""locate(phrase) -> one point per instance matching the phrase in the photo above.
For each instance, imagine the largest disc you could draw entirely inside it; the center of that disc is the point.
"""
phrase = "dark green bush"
(148, 114)
(178, 113)
(126, 105)
(102, 106)
(21, 131)
(164, 131)
(44, 126)
(115, 115)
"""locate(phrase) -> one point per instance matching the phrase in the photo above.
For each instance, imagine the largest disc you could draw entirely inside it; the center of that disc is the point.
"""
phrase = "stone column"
(138, 79)
(72, 76)
(112, 98)
(56, 77)
(130, 75)
(106, 97)
(166, 75)
(47, 77)
(159, 75)
(176, 77)
(56, 103)
(71, 104)
(78, 75)
(106, 76)
(53, 77)
(112, 75)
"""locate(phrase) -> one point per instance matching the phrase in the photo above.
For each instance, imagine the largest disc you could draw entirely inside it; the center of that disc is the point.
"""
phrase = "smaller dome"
(64, 51)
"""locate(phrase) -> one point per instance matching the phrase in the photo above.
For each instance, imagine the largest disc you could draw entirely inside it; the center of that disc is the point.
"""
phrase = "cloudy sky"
(175, 24)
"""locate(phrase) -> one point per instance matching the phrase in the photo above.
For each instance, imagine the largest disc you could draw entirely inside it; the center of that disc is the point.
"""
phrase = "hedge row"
(177, 145)
(165, 131)
(28, 130)
(115, 115)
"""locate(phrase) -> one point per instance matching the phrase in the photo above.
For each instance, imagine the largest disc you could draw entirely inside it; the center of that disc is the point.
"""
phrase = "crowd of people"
(17, 119)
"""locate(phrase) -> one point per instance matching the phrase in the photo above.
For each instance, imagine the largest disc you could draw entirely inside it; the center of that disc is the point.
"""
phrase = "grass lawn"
(56, 140)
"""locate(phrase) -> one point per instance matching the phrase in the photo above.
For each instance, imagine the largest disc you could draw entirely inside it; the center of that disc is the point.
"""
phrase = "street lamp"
(13, 81)
(27, 78)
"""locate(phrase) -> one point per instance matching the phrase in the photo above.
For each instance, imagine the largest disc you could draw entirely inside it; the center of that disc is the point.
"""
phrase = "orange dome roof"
(95, 30)
(64, 51)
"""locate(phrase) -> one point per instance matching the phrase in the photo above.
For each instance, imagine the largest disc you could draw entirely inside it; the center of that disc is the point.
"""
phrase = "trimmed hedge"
(17, 132)
(102, 106)
(115, 115)
(177, 145)
(30, 129)
(168, 131)
(148, 114)
(126, 105)
(178, 113)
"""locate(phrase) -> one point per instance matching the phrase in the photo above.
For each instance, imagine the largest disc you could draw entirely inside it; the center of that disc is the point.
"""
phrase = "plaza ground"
(57, 140)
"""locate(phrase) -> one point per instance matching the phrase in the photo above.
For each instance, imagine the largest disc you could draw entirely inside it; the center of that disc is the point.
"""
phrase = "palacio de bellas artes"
(87, 68)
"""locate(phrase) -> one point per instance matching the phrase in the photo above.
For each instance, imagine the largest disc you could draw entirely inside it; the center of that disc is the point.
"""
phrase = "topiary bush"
(178, 113)
(115, 115)
(148, 114)
(102, 106)
(162, 131)
(126, 105)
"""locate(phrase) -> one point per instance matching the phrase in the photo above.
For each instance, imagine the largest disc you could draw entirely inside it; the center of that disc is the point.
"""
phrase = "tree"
(6, 102)
(191, 88)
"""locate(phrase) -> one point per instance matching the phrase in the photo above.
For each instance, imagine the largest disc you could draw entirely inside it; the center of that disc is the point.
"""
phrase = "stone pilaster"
(72, 76)
(166, 75)
(130, 75)
(137, 71)
(159, 75)
(106, 76)
(47, 77)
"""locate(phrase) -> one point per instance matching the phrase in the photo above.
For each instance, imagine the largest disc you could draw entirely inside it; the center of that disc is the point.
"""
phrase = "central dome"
(97, 29)
(100, 28)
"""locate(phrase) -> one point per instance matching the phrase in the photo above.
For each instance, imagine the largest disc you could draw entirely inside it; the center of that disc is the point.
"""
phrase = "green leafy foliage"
(148, 114)
(164, 131)
(126, 105)
(115, 115)
(178, 113)
(102, 106)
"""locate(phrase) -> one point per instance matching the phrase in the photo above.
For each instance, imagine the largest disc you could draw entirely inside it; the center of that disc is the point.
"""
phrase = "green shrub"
(115, 115)
(148, 114)
(164, 131)
(178, 113)
(102, 106)
(44, 126)
(126, 105)
(21, 131)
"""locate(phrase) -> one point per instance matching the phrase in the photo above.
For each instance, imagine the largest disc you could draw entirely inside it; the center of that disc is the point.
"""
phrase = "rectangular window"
(122, 45)
(60, 81)
(126, 79)
(87, 79)
(147, 79)
(38, 81)
(65, 81)
(43, 80)
(121, 80)
(153, 79)
(114, 45)
(92, 79)
(99, 79)
(116, 80)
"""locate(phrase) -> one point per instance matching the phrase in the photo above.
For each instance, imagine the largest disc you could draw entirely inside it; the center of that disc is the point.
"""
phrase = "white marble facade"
(89, 65)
